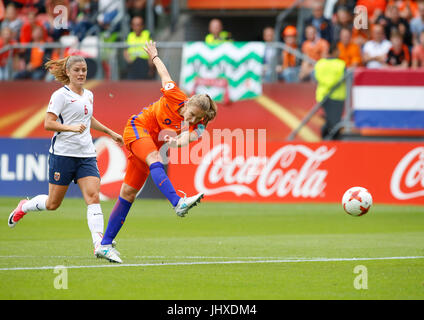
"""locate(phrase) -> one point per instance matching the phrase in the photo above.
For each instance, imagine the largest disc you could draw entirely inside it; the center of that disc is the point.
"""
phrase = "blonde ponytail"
(205, 102)
(58, 67)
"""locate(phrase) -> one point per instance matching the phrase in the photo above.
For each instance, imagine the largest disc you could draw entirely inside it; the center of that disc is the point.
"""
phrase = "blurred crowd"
(390, 34)
(368, 33)
(71, 23)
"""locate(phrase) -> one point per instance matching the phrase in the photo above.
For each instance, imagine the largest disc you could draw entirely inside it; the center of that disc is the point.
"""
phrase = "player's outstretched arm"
(51, 124)
(97, 125)
(182, 139)
(151, 50)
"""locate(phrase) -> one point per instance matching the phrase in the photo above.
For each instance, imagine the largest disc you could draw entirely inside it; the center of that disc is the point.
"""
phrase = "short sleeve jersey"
(72, 109)
(162, 114)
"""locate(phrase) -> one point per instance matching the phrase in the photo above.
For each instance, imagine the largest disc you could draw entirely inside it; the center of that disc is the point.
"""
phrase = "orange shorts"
(140, 144)
(136, 173)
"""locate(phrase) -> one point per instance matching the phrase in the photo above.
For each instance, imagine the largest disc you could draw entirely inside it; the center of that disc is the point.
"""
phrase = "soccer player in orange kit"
(175, 112)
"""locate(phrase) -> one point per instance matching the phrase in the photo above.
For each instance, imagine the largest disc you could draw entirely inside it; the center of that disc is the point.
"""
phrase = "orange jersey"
(350, 54)
(160, 115)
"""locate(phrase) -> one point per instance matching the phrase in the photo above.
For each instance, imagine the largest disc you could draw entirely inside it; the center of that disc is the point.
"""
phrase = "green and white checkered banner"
(231, 70)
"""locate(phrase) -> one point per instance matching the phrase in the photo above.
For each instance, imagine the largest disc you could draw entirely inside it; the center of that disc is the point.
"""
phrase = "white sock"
(95, 222)
(38, 203)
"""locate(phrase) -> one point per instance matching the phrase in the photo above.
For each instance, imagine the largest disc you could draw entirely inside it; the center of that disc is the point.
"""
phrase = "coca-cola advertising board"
(276, 172)
(307, 172)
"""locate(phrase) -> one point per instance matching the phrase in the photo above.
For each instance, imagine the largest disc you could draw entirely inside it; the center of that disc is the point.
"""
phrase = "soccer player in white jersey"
(72, 155)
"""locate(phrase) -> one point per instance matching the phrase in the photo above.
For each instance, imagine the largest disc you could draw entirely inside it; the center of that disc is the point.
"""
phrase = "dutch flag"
(388, 99)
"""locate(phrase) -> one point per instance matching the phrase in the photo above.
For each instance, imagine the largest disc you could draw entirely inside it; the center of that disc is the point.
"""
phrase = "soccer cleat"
(107, 252)
(16, 214)
(99, 243)
(185, 204)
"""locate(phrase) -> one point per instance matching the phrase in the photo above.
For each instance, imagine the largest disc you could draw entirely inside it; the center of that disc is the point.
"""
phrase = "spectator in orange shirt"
(26, 30)
(35, 57)
(313, 48)
(289, 69)
(398, 55)
(349, 51)
(408, 9)
(1, 10)
(418, 53)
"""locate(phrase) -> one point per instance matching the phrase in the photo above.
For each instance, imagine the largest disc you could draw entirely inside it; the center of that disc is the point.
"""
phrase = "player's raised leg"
(145, 149)
(181, 205)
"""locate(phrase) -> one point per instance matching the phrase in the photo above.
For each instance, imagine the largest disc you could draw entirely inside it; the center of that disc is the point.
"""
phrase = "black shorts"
(63, 169)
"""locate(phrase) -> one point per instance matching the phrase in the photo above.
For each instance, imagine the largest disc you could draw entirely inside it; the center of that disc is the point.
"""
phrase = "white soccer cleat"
(107, 252)
(186, 204)
(99, 243)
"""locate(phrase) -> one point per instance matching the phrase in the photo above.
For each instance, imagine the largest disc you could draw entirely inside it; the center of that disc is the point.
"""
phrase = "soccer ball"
(357, 201)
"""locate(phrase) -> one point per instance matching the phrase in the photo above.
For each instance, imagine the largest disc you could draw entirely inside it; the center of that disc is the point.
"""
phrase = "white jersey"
(375, 49)
(72, 109)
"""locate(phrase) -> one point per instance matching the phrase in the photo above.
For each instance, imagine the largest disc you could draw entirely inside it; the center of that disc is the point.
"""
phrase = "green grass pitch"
(220, 251)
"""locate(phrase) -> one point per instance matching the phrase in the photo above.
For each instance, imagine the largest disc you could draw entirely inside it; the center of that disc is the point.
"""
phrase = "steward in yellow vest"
(216, 34)
(328, 72)
(139, 65)
(223, 37)
(134, 39)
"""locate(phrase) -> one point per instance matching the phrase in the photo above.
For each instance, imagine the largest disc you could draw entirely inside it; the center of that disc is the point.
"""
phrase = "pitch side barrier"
(379, 102)
(24, 169)
(306, 172)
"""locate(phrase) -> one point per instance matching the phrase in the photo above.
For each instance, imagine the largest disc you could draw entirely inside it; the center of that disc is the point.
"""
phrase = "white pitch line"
(214, 262)
(153, 257)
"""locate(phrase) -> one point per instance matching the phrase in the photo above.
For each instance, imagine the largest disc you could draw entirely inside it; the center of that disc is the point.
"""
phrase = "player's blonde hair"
(205, 103)
(58, 67)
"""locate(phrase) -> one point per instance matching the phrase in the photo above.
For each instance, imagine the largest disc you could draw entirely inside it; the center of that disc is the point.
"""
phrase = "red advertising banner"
(307, 172)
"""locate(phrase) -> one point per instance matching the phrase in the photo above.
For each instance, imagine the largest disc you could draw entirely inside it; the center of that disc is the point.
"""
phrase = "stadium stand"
(390, 35)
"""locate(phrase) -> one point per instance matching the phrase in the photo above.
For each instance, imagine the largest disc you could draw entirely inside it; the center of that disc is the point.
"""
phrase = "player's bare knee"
(129, 196)
(92, 197)
(128, 193)
(153, 157)
(51, 206)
